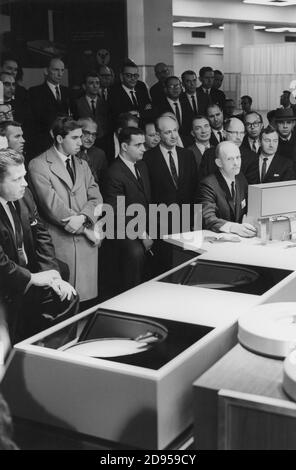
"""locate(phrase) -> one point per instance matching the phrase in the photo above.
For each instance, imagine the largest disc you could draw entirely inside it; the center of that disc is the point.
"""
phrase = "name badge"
(243, 204)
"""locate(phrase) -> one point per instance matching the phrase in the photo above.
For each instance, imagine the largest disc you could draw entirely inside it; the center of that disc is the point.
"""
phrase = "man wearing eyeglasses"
(19, 107)
(5, 112)
(129, 95)
(254, 125)
(234, 132)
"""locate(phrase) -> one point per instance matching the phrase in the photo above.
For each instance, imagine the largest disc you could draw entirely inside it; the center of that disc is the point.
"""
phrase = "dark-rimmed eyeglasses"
(90, 134)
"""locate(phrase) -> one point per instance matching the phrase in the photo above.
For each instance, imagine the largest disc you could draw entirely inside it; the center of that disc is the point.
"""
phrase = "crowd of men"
(66, 154)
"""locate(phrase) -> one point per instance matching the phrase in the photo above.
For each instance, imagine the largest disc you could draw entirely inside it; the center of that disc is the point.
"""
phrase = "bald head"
(167, 128)
(235, 130)
(228, 159)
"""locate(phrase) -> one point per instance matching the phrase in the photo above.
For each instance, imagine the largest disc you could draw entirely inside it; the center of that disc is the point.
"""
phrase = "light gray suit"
(57, 198)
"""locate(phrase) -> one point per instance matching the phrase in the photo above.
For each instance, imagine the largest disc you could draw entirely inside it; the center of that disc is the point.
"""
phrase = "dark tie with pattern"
(134, 99)
(18, 234)
(93, 107)
(105, 94)
(139, 177)
(194, 104)
(177, 112)
(58, 94)
(264, 168)
(173, 169)
(220, 136)
(254, 146)
(70, 169)
(233, 190)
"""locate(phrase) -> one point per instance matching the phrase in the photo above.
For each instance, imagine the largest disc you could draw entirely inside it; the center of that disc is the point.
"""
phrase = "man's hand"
(44, 278)
(63, 289)
(74, 223)
(243, 230)
(92, 236)
(147, 242)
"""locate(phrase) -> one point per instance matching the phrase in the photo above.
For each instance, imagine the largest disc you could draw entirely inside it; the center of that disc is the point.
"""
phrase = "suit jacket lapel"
(273, 167)
(5, 220)
(163, 166)
(181, 166)
(129, 173)
(58, 168)
(225, 188)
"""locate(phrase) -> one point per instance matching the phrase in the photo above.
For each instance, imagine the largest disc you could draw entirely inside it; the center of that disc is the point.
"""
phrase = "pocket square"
(34, 222)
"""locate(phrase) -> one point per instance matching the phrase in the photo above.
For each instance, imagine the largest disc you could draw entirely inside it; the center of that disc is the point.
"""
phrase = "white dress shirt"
(128, 92)
(52, 88)
(172, 104)
(165, 153)
(201, 147)
(268, 162)
(130, 165)
(215, 132)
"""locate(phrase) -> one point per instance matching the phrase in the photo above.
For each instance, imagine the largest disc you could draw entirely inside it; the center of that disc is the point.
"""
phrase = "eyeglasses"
(132, 75)
(90, 134)
(174, 86)
(7, 114)
(238, 133)
(253, 124)
(8, 84)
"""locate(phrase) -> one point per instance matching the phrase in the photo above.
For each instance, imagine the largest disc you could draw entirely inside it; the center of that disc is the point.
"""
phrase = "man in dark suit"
(201, 131)
(285, 125)
(91, 105)
(215, 116)
(188, 99)
(162, 72)
(47, 102)
(128, 178)
(223, 195)
(271, 165)
(29, 271)
(10, 65)
(253, 124)
(234, 132)
(129, 95)
(179, 107)
(246, 105)
(19, 103)
(206, 94)
(174, 180)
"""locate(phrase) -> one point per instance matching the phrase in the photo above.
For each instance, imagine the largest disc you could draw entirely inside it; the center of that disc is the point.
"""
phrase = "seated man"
(223, 195)
(31, 284)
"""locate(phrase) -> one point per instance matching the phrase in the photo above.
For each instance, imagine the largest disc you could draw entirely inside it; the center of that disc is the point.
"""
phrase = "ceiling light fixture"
(272, 3)
(177, 44)
(219, 46)
(221, 27)
(190, 24)
(281, 30)
(257, 26)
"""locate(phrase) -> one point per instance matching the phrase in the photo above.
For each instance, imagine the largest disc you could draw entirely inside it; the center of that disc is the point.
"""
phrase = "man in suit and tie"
(129, 95)
(162, 72)
(201, 131)
(91, 105)
(47, 102)
(106, 77)
(69, 201)
(246, 105)
(31, 284)
(214, 114)
(234, 132)
(285, 125)
(254, 124)
(271, 165)
(223, 195)
(189, 99)
(10, 65)
(13, 132)
(19, 103)
(206, 94)
(173, 178)
(128, 178)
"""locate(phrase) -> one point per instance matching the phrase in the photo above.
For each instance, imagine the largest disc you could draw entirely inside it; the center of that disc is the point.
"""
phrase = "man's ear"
(124, 146)
(59, 139)
(218, 162)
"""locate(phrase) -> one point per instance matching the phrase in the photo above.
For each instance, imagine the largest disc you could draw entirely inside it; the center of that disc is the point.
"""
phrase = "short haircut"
(218, 72)
(187, 72)
(253, 112)
(124, 118)
(147, 123)
(90, 73)
(51, 59)
(168, 79)
(127, 63)
(199, 116)
(7, 57)
(9, 157)
(204, 70)
(247, 97)
(5, 124)
(213, 105)
(63, 125)
(82, 122)
(271, 114)
(268, 130)
(6, 73)
(126, 134)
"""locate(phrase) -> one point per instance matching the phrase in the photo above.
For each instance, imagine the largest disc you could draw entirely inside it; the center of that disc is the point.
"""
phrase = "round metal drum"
(269, 329)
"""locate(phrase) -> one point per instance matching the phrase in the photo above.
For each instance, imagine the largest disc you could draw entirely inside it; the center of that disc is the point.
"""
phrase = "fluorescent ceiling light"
(281, 30)
(221, 27)
(220, 46)
(177, 44)
(257, 26)
(272, 3)
(190, 24)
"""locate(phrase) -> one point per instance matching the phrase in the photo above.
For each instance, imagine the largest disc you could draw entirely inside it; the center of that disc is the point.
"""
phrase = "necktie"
(173, 169)
(93, 107)
(139, 177)
(105, 94)
(233, 190)
(194, 104)
(70, 169)
(264, 167)
(254, 146)
(177, 112)
(58, 94)
(220, 136)
(134, 99)
(18, 234)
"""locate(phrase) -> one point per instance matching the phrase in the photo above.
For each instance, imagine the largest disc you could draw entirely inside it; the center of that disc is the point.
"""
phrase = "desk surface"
(248, 251)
